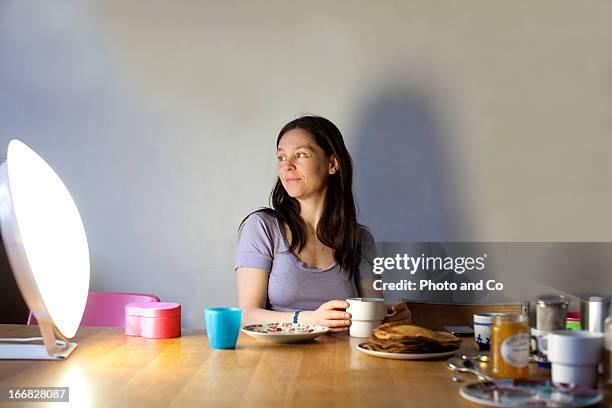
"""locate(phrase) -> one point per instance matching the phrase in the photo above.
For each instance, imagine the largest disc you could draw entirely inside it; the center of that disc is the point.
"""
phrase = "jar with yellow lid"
(510, 346)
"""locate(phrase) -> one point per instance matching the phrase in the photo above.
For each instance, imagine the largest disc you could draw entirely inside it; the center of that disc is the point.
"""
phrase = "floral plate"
(284, 332)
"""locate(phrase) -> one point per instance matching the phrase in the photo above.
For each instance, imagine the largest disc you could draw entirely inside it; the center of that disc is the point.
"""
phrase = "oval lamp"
(45, 242)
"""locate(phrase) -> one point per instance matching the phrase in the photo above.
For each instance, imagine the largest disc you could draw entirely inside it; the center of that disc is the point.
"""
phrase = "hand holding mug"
(331, 314)
(398, 312)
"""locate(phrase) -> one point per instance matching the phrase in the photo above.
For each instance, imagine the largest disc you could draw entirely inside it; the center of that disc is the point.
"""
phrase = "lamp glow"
(46, 244)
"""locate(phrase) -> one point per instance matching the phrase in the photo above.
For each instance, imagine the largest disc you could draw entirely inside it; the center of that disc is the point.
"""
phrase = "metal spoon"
(457, 364)
(456, 376)
(483, 358)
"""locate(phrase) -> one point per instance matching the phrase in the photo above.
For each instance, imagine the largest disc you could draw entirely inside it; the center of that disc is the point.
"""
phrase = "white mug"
(366, 315)
(482, 329)
(574, 356)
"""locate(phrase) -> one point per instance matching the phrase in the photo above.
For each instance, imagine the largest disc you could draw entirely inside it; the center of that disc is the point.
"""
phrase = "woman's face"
(303, 167)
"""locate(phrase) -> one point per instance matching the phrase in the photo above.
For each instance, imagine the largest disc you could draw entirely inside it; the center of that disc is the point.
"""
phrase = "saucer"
(284, 332)
(520, 393)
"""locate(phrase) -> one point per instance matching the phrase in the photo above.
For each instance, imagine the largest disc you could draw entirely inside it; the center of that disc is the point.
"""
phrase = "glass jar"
(608, 347)
(510, 346)
(551, 312)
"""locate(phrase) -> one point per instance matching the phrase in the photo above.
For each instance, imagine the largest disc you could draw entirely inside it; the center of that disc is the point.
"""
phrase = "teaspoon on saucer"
(458, 364)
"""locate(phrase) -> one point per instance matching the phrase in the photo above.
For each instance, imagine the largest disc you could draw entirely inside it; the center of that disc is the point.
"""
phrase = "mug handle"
(533, 344)
(391, 314)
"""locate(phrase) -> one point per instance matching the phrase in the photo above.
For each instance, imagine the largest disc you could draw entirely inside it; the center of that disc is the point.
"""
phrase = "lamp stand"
(47, 347)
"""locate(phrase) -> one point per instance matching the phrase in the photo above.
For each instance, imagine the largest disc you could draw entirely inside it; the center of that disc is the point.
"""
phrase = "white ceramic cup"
(574, 356)
(366, 315)
(482, 329)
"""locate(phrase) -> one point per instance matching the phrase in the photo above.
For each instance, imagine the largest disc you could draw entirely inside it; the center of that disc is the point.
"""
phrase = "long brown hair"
(337, 228)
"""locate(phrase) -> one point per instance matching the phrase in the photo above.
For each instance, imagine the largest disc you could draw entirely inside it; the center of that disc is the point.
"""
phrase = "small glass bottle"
(608, 347)
(510, 346)
(551, 312)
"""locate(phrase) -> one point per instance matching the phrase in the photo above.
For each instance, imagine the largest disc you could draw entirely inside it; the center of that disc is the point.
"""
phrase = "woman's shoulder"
(261, 215)
(262, 220)
(258, 241)
(365, 235)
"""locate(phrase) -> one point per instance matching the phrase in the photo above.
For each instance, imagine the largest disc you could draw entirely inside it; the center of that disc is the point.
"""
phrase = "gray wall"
(473, 120)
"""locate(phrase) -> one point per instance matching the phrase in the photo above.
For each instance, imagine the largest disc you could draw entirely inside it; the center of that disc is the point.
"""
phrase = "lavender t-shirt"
(291, 284)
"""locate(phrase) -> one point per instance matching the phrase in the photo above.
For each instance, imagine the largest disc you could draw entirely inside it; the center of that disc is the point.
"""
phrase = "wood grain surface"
(109, 369)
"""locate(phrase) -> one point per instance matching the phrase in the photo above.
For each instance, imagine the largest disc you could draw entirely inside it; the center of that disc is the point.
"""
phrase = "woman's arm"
(252, 294)
(253, 291)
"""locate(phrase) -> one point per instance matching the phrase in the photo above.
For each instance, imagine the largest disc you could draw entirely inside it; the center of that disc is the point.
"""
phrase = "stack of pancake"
(407, 338)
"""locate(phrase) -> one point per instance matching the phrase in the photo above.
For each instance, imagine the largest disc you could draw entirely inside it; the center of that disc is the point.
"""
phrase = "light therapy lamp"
(47, 250)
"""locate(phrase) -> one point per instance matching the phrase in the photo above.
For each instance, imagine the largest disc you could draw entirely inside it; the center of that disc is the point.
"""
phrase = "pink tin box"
(154, 320)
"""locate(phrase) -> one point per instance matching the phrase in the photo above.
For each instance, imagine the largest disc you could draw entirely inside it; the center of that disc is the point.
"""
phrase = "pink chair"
(106, 309)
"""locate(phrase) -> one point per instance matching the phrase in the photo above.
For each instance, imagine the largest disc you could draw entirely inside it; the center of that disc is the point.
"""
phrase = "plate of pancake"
(409, 342)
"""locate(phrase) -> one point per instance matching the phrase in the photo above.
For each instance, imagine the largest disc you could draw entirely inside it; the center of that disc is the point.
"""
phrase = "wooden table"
(110, 369)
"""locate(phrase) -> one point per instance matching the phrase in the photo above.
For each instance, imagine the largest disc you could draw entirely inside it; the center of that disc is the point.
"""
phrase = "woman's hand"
(402, 314)
(331, 314)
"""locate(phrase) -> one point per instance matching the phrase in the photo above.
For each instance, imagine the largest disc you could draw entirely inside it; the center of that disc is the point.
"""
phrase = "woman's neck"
(311, 209)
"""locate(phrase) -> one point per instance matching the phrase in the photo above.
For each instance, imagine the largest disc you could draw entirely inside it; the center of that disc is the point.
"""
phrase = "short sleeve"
(368, 253)
(256, 244)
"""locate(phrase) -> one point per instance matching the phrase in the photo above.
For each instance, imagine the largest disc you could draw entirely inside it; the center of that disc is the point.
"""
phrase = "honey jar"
(510, 346)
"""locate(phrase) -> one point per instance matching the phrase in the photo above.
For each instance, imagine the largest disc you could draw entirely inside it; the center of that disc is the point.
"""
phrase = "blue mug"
(222, 326)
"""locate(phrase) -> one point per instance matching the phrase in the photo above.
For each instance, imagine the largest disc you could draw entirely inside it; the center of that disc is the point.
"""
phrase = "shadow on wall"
(401, 173)
(401, 170)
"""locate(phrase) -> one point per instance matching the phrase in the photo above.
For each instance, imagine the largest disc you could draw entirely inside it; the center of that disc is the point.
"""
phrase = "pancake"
(415, 333)
(394, 337)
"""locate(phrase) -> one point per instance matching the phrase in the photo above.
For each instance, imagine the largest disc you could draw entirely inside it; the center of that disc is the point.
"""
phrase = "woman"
(299, 260)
